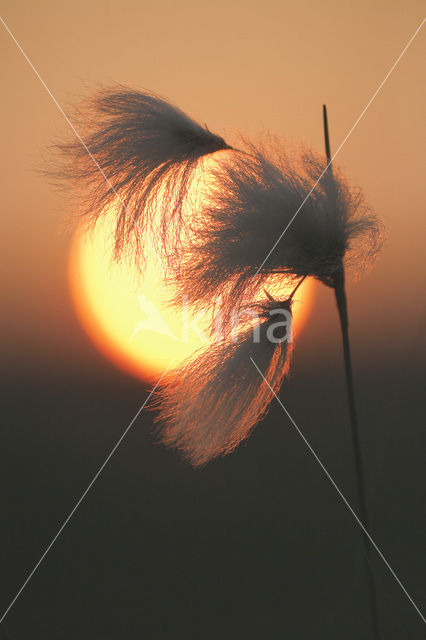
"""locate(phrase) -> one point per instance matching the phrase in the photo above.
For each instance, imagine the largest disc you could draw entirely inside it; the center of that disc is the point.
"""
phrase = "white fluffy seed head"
(211, 403)
(144, 152)
(255, 197)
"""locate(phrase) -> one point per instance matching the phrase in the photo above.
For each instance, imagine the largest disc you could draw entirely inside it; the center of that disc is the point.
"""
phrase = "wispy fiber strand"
(253, 197)
(214, 399)
(148, 149)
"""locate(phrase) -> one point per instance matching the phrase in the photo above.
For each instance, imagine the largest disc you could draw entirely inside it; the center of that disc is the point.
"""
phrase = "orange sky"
(233, 65)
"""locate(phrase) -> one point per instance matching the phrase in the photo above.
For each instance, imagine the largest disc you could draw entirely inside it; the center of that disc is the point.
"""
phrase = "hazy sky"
(233, 65)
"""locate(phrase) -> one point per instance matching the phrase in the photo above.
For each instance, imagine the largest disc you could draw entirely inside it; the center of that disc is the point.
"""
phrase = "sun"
(127, 316)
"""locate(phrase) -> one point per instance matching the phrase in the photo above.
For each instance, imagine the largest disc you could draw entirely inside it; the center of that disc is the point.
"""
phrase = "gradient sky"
(235, 66)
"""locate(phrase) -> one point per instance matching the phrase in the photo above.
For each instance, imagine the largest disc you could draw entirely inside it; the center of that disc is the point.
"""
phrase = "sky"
(235, 67)
(258, 541)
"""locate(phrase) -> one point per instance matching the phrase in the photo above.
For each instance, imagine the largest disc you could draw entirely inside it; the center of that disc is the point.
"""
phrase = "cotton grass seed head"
(143, 155)
(255, 196)
(212, 402)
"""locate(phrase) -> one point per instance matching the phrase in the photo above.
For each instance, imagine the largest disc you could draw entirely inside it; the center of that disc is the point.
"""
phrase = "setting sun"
(126, 315)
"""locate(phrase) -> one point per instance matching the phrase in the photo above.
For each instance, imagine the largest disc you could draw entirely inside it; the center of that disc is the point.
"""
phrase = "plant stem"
(340, 292)
(326, 135)
(296, 287)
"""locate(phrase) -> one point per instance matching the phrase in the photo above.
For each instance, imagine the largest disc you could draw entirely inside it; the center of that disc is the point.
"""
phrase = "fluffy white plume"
(147, 150)
(210, 404)
(255, 195)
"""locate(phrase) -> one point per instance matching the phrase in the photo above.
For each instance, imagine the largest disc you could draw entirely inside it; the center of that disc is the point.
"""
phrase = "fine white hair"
(254, 197)
(214, 399)
(143, 155)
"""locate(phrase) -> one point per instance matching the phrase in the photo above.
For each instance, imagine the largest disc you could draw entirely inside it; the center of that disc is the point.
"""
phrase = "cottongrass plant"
(214, 399)
(145, 155)
(254, 196)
